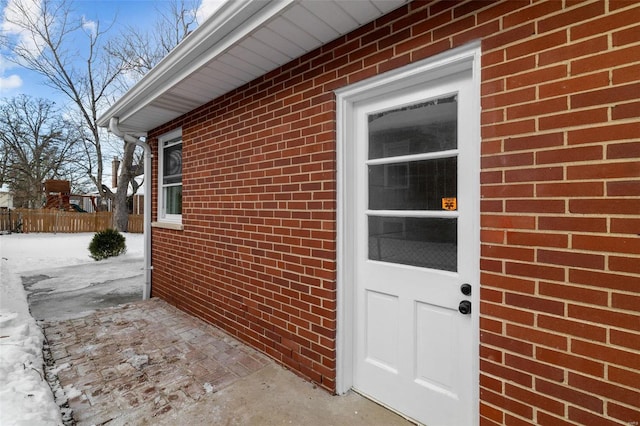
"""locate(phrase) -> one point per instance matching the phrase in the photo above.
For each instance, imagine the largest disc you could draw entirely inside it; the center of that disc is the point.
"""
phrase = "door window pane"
(413, 185)
(426, 127)
(425, 242)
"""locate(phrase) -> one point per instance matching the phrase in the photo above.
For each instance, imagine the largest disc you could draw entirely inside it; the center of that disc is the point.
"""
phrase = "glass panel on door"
(426, 242)
(415, 129)
(413, 185)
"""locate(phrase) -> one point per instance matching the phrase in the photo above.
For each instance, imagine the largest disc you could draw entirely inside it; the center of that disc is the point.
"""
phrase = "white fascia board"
(228, 26)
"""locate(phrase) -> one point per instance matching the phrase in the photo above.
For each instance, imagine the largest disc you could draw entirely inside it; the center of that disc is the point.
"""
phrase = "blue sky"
(15, 80)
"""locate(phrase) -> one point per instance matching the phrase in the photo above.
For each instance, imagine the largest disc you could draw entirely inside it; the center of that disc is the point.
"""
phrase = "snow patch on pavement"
(26, 398)
(137, 361)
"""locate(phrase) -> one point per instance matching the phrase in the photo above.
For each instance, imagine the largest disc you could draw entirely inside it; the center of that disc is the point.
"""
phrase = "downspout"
(113, 128)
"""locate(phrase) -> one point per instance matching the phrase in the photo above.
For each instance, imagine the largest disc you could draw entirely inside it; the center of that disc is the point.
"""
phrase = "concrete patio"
(148, 363)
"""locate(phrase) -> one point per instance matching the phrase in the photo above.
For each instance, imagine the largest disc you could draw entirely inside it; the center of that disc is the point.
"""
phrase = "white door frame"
(455, 60)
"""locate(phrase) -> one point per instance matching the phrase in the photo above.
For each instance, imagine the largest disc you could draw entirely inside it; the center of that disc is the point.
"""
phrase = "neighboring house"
(6, 198)
(434, 203)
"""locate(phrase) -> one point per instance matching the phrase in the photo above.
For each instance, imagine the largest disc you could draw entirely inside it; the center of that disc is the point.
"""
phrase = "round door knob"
(465, 307)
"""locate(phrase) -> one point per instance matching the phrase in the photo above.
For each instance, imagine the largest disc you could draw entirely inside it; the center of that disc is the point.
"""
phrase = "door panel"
(415, 244)
(434, 328)
(382, 330)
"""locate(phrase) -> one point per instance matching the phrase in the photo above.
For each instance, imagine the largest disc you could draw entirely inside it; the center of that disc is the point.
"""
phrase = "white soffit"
(242, 41)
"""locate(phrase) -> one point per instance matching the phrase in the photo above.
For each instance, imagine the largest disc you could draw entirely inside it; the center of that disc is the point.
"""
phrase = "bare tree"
(37, 144)
(53, 40)
(139, 51)
(4, 163)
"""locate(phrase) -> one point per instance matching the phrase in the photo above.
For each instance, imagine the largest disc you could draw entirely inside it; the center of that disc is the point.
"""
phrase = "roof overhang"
(242, 41)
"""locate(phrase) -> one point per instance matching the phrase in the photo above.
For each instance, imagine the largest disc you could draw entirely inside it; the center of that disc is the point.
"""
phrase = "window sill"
(168, 225)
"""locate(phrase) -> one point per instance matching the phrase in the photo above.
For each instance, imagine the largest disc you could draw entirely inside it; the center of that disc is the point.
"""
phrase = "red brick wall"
(560, 206)
(560, 215)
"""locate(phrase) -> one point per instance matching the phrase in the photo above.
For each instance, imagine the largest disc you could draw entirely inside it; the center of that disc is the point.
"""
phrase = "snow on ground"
(25, 396)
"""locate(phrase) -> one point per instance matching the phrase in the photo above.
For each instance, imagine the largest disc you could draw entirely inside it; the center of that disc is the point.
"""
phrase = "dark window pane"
(172, 166)
(416, 129)
(414, 185)
(173, 199)
(426, 242)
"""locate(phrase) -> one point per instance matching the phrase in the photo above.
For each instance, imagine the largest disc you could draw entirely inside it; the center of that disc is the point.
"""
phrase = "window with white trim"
(170, 177)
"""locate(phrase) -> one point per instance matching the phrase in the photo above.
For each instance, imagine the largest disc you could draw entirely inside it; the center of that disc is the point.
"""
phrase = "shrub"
(107, 243)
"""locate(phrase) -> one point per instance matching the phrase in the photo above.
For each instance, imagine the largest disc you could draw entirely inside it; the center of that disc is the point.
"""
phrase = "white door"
(416, 245)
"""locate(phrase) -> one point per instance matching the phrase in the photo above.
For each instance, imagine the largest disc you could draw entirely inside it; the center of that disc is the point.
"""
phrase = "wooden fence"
(49, 220)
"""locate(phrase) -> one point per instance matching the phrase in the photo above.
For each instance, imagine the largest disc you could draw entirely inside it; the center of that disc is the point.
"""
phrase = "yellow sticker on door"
(450, 203)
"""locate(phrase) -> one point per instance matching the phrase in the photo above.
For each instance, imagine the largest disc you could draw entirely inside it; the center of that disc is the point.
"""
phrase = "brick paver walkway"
(145, 357)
